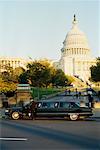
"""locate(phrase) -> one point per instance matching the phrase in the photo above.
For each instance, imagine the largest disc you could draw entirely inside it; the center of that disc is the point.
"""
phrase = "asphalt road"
(50, 134)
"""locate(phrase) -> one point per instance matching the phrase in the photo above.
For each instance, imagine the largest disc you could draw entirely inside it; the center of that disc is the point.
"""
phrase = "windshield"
(78, 104)
(26, 104)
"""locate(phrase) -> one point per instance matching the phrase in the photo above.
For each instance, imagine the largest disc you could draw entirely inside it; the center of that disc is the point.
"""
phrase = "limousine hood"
(13, 109)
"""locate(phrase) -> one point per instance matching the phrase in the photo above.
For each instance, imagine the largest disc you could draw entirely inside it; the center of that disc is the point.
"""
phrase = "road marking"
(13, 139)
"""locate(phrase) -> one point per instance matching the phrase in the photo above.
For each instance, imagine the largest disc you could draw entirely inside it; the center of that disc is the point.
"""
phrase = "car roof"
(54, 101)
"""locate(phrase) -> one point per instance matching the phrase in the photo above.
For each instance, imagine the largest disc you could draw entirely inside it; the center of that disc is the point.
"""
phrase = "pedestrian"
(79, 94)
(76, 90)
(69, 91)
(66, 92)
(33, 108)
(90, 99)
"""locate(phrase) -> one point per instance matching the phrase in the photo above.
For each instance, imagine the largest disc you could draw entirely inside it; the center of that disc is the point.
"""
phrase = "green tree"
(9, 79)
(7, 74)
(95, 71)
(38, 73)
(23, 78)
(11, 75)
(7, 86)
(16, 74)
(42, 74)
(47, 72)
(70, 79)
(59, 78)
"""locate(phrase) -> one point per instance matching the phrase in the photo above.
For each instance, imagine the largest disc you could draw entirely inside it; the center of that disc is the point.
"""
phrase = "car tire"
(73, 117)
(15, 115)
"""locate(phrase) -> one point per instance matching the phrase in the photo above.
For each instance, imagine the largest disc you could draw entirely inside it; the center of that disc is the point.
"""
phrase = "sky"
(37, 28)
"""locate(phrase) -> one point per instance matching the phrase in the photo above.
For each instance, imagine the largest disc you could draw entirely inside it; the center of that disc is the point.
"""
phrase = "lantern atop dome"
(74, 21)
(74, 17)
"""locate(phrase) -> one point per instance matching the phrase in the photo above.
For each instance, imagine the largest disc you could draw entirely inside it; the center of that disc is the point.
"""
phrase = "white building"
(12, 62)
(76, 57)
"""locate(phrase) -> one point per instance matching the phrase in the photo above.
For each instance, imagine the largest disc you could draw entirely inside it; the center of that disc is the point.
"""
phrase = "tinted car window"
(50, 105)
(64, 104)
(56, 105)
(39, 105)
(45, 105)
(73, 105)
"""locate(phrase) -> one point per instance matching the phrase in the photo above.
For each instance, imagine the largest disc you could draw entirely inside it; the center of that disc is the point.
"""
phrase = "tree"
(47, 72)
(38, 74)
(59, 78)
(23, 78)
(42, 74)
(6, 87)
(70, 79)
(7, 74)
(95, 71)
(16, 73)
(9, 79)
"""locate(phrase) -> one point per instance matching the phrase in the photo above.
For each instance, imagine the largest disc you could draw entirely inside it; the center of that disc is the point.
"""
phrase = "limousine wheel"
(15, 115)
(73, 116)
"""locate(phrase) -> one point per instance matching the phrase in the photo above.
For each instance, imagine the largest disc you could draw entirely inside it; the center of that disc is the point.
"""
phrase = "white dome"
(75, 38)
(76, 54)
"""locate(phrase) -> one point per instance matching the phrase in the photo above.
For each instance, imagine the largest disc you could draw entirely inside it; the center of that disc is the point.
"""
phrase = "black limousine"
(46, 108)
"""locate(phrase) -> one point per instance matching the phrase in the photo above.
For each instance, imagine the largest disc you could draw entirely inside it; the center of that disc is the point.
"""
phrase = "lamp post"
(38, 92)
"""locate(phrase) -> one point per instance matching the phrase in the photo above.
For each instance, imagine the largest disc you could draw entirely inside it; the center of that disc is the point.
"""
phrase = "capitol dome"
(76, 57)
(76, 42)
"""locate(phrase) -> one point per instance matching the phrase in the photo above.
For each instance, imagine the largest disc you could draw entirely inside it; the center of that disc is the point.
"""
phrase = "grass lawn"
(43, 92)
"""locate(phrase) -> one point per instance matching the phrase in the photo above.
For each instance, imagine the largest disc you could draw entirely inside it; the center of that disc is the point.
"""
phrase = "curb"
(96, 112)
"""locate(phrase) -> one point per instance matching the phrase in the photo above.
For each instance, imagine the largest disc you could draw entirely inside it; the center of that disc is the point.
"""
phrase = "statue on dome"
(74, 17)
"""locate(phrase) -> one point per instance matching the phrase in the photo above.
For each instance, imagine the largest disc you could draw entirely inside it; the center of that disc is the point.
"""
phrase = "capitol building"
(76, 57)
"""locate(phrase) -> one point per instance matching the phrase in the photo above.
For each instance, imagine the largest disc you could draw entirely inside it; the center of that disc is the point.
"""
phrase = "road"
(50, 134)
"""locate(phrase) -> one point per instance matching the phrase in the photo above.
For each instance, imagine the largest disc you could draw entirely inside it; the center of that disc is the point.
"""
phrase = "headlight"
(6, 110)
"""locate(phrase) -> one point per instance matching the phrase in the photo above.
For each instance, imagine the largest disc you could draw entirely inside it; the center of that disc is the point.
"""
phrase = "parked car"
(48, 109)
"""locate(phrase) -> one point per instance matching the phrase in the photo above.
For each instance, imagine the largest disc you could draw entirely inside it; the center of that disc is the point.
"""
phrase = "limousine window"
(48, 105)
(45, 105)
(39, 105)
(56, 105)
(64, 104)
(73, 105)
(51, 105)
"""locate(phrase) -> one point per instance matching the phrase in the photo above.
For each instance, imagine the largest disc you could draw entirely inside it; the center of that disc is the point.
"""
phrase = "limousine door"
(64, 108)
(68, 108)
(74, 108)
